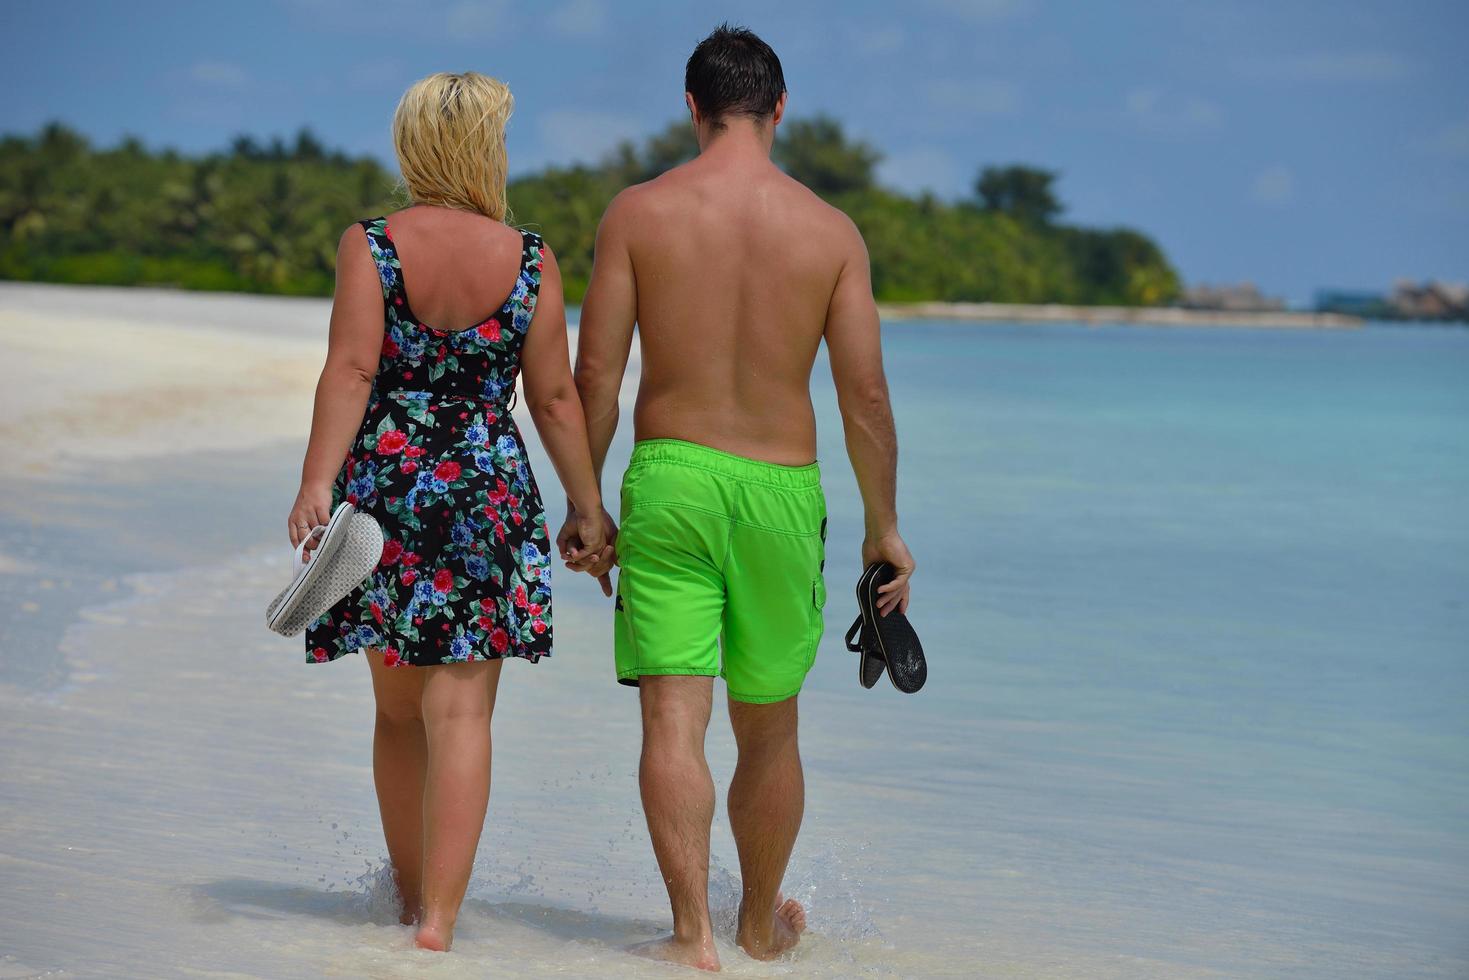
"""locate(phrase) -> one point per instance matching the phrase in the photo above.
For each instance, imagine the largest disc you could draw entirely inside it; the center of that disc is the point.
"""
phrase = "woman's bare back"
(458, 267)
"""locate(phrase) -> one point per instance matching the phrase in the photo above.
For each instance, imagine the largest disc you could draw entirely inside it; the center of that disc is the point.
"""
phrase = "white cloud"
(981, 10)
(1156, 111)
(487, 19)
(1329, 67)
(368, 9)
(922, 168)
(219, 74)
(880, 40)
(1452, 140)
(583, 135)
(1274, 185)
(385, 74)
(436, 21)
(976, 97)
(581, 18)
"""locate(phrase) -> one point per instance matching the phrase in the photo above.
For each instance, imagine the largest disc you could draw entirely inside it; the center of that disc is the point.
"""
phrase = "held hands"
(889, 547)
(313, 507)
(587, 544)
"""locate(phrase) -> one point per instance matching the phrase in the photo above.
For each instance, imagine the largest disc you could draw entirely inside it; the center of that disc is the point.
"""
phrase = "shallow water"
(1194, 602)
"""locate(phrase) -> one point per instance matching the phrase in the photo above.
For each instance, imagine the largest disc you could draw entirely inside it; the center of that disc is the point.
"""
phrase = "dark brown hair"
(734, 73)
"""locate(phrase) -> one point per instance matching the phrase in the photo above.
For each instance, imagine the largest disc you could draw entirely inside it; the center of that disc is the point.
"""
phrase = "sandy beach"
(1145, 751)
(96, 373)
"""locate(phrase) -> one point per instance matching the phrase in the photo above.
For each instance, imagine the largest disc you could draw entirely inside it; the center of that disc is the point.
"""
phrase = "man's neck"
(739, 140)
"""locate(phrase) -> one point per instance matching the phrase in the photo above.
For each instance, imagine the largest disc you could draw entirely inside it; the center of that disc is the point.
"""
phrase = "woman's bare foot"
(697, 953)
(433, 936)
(787, 923)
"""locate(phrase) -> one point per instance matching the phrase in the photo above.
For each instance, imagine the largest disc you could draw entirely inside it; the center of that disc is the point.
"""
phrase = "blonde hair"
(449, 133)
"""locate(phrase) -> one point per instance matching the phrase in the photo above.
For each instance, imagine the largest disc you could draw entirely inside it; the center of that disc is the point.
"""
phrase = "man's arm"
(604, 340)
(854, 344)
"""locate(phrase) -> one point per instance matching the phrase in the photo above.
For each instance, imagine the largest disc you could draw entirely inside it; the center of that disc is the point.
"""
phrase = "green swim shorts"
(719, 552)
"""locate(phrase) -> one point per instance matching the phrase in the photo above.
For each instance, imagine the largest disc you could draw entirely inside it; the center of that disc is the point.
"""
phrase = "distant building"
(1408, 300)
(1244, 297)
(1430, 300)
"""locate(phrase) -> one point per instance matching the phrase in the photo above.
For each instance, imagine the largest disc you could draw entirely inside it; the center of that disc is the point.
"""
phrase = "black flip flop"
(886, 643)
(870, 666)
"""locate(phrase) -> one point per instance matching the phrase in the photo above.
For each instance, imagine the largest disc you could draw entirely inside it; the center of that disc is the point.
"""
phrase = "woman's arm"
(555, 407)
(354, 344)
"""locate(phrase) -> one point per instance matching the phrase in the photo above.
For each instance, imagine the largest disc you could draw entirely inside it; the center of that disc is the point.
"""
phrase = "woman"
(415, 396)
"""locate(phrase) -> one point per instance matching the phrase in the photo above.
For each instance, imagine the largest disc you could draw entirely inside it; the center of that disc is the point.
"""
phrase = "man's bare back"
(735, 266)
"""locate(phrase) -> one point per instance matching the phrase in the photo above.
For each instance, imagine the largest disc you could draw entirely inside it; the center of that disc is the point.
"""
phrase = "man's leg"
(772, 626)
(766, 800)
(678, 798)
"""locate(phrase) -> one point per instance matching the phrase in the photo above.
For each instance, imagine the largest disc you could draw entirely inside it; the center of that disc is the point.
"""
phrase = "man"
(733, 273)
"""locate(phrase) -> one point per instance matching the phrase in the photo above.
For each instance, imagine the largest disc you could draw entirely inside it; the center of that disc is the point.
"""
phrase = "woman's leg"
(458, 700)
(399, 763)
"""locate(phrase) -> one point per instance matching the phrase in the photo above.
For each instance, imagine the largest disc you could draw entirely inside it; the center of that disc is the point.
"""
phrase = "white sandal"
(351, 546)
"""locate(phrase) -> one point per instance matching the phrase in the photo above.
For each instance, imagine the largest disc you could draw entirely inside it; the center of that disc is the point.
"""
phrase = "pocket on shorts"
(627, 491)
(818, 619)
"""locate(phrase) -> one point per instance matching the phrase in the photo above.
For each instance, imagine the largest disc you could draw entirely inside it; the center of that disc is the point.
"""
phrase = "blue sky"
(1290, 143)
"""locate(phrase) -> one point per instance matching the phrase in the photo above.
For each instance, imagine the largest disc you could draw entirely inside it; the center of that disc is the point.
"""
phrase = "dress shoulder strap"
(384, 256)
(528, 285)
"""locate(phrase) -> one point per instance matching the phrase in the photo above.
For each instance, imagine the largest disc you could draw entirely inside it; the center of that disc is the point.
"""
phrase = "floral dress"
(466, 572)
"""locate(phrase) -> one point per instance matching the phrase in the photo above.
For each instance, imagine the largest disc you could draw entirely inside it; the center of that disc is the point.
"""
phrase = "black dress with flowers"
(466, 572)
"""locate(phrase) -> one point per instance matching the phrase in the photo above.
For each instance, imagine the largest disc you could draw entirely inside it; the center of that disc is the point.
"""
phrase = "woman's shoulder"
(532, 237)
(368, 229)
(364, 230)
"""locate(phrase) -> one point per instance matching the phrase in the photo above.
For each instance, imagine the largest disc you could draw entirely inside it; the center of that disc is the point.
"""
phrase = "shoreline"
(291, 315)
(1151, 316)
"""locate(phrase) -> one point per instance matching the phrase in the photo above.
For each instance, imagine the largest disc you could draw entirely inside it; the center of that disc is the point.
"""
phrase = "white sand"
(85, 385)
(96, 373)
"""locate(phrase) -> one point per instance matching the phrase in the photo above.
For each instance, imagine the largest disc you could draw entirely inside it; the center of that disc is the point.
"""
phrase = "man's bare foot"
(435, 937)
(787, 923)
(699, 953)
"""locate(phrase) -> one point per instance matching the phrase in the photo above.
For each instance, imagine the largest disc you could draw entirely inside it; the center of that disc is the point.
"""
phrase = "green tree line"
(265, 217)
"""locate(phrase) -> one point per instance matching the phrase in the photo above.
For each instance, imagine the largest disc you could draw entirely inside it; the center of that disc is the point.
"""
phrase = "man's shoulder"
(635, 202)
(672, 194)
(797, 198)
(819, 220)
